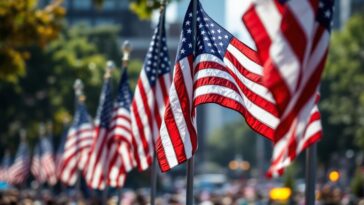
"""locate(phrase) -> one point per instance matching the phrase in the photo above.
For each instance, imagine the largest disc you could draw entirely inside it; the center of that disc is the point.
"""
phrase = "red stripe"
(139, 124)
(258, 32)
(120, 116)
(309, 91)
(161, 155)
(255, 124)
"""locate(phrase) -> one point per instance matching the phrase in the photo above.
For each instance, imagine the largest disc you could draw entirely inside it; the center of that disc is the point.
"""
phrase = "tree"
(46, 91)
(23, 25)
(343, 88)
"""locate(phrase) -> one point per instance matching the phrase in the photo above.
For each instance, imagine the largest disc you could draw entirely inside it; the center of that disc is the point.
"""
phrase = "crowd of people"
(229, 194)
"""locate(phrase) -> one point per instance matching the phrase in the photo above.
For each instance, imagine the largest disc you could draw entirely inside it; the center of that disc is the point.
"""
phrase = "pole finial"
(78, 87)
(126, 49)
(42, 129)
(110, 66)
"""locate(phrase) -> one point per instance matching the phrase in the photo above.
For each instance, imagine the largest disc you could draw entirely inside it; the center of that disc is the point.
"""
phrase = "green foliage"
(232, 139)
(357, 184)
(46, 91)
(23, 24)
(343, 86)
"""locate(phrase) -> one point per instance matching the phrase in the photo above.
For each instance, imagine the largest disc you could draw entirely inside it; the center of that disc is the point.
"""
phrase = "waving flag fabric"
(223, 71)
(97, 164)
(121, 156)
(19, 170)
(4, 167)
(150, 98)
(77, 145)
(36, 166)
(47, 161)
(292, 38)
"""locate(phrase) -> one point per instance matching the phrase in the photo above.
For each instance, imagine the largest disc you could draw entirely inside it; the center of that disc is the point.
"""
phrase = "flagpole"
(311, 158)
(154, 171)
(190, 162)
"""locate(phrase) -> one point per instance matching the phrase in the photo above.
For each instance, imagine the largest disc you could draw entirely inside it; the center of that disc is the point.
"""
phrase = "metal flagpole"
(311, 157)
(126, 50)
(190, 162)
(154, 171)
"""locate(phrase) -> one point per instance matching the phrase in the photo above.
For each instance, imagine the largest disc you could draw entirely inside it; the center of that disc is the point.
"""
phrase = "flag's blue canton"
(46, 146)
(156, 63)
(325, 13)
(211, 37)
(104, 110)
(6, 161)
(22, 152)
(81, 116)
(124, 94)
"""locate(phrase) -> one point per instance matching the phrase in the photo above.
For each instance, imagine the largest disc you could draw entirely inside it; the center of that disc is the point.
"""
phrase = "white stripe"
(168, 146)
(258, 113)
(137, 137)
(285, 59)
(270, 17)
(180, 121)
(302, 10)
(245, 61)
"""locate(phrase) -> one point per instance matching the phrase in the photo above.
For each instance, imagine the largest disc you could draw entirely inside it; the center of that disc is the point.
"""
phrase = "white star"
(148, 68)
(190, 45)
(163, 65)
(206, 19)
(182, 51)
(212, 51)
(165, 48)
(213, 38)
(188, 23)
(154, 64)
(183, 39)
(201, 47)
(213, 31)
(189, 31)
(209, 44)
(321, 5)
(198, 18)
(200, 25)
(328, 14)
(226, 36)
(219, 30)
(219, 37)
(190, 14)
(212, 25)
(203, 32)
(149, 62)
(206, 39)
(221, 44)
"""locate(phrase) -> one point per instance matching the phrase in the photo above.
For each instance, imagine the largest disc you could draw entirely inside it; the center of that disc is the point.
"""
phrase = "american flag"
(5, 163)
(36, 166)
(97, 166)
(150, 98)
(47, 161)
(19, 170)
(223, 71)
(60, 151)
(292, 37)
(77, 146)
(121, 155)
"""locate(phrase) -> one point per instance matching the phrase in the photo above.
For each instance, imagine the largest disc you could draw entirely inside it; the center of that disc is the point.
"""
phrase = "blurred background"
(45, 45)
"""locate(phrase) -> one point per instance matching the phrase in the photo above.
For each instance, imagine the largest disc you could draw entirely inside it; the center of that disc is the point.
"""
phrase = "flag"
(223, 71)
(97, 167)
(60, 151)
(77, 145)
(47, 161)
(292, 38)
(150, 97)
(5, 163)
(121, 154)
(19, 170)
(36, 166)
